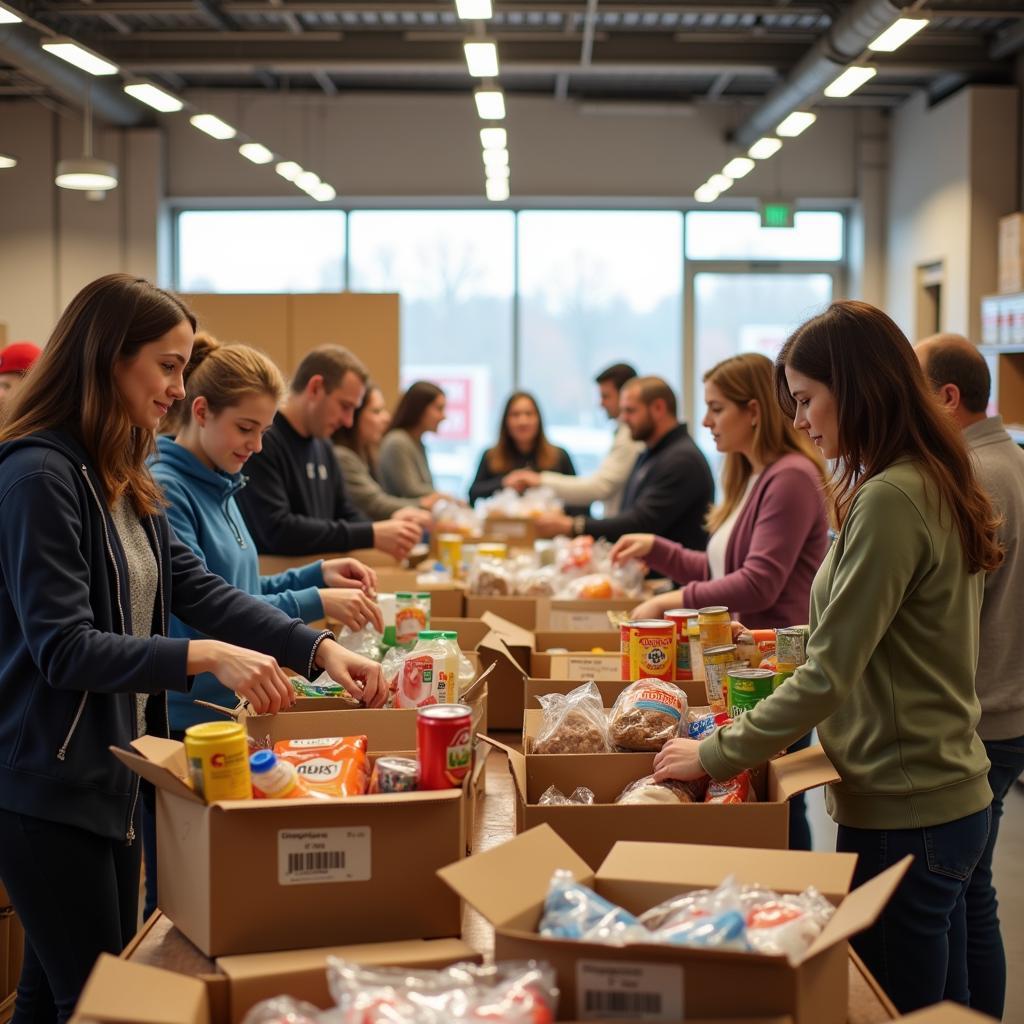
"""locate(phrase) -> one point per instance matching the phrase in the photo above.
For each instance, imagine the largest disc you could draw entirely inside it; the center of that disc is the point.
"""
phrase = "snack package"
(785, 925)
(670, 791)
(322, 686)
(595, 586)
(646, 714)
(737, 790)
(553, 796)
(427, 674)
(574, 723)
(536, 582)
(572, 911)
(517, 992)
(335, 765)
(703, 722)
(491, 577)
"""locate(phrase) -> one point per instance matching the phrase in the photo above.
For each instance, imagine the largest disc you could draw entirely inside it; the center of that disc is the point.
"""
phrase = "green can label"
(748, 687)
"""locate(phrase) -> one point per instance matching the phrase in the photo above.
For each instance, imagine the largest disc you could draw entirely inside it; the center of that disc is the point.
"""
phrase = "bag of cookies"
(574, 723)
(646, 714)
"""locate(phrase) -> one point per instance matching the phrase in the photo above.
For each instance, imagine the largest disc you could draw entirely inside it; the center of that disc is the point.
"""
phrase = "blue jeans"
(986, 960)
(917, 949)
(799, 828)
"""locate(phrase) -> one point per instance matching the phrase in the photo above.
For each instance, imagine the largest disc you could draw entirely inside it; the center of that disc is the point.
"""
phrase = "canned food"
(648, 648)
(748, 687)
(412, 616)
(717, 662)
(394, 775)
(444, 745)
(715, 626)
(790, 647)
(681, 617)
(218, 761)
(449, 553)
(696, 648)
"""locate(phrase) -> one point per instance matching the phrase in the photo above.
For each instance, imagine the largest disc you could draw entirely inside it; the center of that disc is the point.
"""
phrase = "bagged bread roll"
(574, 723)
(646, 714)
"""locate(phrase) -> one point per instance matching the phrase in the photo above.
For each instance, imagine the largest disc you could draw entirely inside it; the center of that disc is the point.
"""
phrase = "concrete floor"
(1009, 879)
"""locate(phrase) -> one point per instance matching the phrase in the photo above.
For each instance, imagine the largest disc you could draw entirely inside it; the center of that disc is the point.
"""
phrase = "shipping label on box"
(609, 989)
(564, 618)
(323, 855)
(584, 667)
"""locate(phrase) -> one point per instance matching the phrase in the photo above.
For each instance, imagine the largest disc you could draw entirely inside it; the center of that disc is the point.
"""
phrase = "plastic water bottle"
(274, 779)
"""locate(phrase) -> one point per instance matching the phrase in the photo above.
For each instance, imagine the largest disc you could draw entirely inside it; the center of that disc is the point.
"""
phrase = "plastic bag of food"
(536, 582)
(427, 674)
(491, 577)
(574, 557)
(554, 797)
(284, 1010)
(335, 765)
(785, 925)
(573, 911)
(737, 790)
(670, 791)
(322, 686)
(703, 722)
(646, 714)
(366, 642)
(596, 586)
(573, 723)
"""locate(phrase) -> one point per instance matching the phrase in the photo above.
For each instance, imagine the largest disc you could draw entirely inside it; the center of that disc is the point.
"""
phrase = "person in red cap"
(15, 360)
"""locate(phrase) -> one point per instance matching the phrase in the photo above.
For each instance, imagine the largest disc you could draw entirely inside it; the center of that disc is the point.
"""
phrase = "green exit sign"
(776, 215)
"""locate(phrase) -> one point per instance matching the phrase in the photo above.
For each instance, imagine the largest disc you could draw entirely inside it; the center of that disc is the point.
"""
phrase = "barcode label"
(311, 856)
(610, 989)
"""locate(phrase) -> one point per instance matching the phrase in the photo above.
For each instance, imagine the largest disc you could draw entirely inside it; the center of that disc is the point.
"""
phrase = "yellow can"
(449, 553)
(218, 761)
(492, 549)
(717, 662)
(715, 625)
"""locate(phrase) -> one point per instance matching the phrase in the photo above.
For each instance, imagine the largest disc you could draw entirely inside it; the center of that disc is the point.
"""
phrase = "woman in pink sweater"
(769, 533)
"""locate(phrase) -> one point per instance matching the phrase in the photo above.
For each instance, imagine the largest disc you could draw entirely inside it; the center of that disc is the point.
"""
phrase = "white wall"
(953, 173)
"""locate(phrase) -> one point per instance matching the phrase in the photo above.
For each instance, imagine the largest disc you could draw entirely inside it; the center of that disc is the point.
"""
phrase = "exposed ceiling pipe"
(19, 45)
(844, 41)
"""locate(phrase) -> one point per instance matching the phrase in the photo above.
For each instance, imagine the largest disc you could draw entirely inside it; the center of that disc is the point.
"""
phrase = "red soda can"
(444, 745)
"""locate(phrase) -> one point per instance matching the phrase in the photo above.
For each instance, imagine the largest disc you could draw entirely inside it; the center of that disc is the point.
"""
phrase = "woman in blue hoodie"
(90, 573)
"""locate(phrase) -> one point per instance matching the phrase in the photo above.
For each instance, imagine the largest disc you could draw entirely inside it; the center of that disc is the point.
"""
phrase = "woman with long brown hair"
(402, 459)
(893, 645)
(91, 574)
(522, 444)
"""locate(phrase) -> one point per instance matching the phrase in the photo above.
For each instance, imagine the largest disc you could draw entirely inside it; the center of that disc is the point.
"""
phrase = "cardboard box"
(447, 600)
(232, 874)
(592, 830)
(637, 876)
(549, 613)
(947, 1013)
(1011, 253)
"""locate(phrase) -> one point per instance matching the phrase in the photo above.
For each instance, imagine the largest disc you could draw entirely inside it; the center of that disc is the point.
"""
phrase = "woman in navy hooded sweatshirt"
(90, 574)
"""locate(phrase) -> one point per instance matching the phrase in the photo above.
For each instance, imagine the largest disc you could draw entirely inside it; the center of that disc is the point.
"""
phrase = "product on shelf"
(646, 714)
(573, 723)
(335, 765)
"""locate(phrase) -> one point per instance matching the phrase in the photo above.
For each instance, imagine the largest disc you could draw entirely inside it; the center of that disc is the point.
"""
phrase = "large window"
(738, 235)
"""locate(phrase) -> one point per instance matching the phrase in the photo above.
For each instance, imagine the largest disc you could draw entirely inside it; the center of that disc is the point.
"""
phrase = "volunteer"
(889, 677)
(91, 574)
(522, 444)
(960, 379)
(402, 463)
(357, 448)
(296, 502)
(768, 534)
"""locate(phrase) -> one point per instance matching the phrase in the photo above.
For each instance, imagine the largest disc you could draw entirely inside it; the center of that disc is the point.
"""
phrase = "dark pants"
(148, 802)
(917, 949)
(77, 895)
(986, 959)
(799, 829)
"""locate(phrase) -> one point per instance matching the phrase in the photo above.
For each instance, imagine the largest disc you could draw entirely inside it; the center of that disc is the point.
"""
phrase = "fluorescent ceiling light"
(719, 182)
(897, 34)
(738, 167)
(797, 123)
(474, 9)
(8, 17)
(493, 138)
(256, 152)
(308, 181)
(497, 171)
(86, 174)
(497, 189)
(495, 157)
(213, 126)
(481, 58)
(7, 161)
(154, 97)
(323, 193)
(82, 58)
(764, 148)
(490, 104)
(706, 193)
(850, 81)
(288, 169)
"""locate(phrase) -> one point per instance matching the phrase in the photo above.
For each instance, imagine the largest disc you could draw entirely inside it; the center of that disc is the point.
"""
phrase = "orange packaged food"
(335, 765)
(732, 791)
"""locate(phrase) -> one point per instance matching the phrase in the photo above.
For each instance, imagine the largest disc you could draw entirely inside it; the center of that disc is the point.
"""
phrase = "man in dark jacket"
(670, 488)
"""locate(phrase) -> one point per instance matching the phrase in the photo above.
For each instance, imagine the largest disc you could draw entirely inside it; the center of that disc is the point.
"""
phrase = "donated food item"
(646, 714)
(679, 617)
(218, 761)
(718, 661)
(747, 650)
(748, 687)
(553, 796)
(427, 674)
(335, 765)
(366, 641)
(322, 686)
(259, 743)
(573, 911)
(790, 648)
(276, 779)
(573, 723)
(715, 625)
(444, 745)
(285, 1010)
(670, 791)
(737, 790)
(449, 553)
(394, 775)
(412, 616)
(696, 647)
(491, 577)
(516, 992)
(703, 722)
(595, 587)
(536, 582)
(648, 648)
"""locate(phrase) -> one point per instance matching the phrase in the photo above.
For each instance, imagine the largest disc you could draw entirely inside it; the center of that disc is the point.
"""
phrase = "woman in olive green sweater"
(889, 678)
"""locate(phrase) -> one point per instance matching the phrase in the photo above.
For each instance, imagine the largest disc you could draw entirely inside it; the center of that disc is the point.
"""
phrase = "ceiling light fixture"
(82, 58)
(154, 97)
(796, 124)
(86, 173)
(493, 138)
(764, 148)
(256, 152)
(288, 169)
(720, 183)
(323, 193)
(495, 157)
(8, 17)
(213, 126)
(497, 189)
(490, 103)
(481, 58)
(706, 193)
(308, 181)
(498, 171)
(738, 167)
(897, 34)
(6, 160)
(474, 10)
(850, 81)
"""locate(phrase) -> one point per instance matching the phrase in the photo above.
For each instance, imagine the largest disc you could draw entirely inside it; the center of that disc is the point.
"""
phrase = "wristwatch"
(579, 525)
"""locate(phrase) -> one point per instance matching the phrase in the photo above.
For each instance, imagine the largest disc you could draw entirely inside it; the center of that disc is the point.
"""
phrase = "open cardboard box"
(591, 830)
(251, 876)
(550, 613)
(508, 885)
(447, 600)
